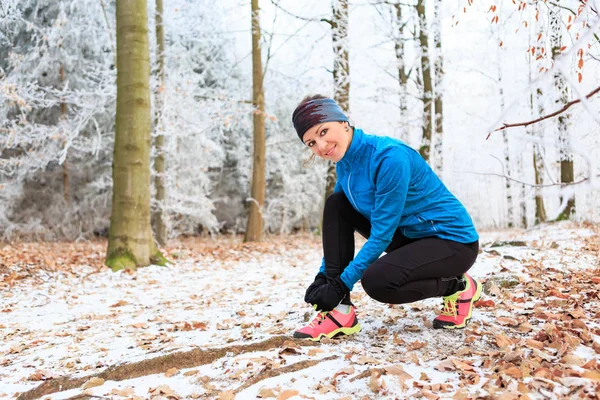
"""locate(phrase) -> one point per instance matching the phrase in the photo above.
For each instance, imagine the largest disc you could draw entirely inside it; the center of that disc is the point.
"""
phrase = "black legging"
(412, 269)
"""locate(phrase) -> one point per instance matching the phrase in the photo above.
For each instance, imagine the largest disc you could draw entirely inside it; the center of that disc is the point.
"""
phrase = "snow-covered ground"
(536, 332)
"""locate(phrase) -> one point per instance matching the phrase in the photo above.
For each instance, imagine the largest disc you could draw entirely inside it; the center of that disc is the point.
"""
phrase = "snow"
(77, 322)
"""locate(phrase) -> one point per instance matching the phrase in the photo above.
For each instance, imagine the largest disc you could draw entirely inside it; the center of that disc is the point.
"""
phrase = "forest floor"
(216, 324)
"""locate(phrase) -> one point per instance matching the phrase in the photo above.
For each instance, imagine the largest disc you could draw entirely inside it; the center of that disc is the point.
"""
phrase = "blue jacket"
(392, 186)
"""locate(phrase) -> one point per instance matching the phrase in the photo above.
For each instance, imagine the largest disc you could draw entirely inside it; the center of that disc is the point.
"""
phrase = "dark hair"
(310, 97)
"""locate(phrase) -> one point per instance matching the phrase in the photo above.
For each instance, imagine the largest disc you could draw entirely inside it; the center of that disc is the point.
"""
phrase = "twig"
(554, 114)
(280, 371)
(537, 186)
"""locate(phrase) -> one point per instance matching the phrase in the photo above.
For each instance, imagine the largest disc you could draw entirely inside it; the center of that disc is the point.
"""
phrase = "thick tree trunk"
(425, 148)
(160, 216)
(564, 140)
(341, 72)
(438, 153)
(130, 242)
(402, 75)
(257, 192)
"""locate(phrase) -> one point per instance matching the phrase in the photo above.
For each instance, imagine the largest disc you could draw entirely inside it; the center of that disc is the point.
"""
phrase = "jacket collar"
(354, 150)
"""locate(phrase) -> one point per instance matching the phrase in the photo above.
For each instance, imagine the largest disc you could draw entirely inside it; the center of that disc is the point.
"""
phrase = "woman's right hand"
(320, 279)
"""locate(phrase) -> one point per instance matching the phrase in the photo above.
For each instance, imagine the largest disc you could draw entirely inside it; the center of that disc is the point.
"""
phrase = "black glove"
(320, 279)
(326, 297)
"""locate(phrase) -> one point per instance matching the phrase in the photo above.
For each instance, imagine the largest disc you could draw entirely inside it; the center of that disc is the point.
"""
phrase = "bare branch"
(533, 185)
(554, 114)
(276, 4)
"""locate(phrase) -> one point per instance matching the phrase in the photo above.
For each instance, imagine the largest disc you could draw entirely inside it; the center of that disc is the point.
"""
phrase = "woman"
(388, 193)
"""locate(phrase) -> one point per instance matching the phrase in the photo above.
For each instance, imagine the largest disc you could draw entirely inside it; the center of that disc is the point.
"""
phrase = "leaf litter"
(535, 332)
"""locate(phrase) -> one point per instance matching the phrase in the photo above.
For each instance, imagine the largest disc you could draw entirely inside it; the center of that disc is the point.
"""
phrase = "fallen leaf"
(286, 394)
(93, 382)
(265, 393)
(171, 372)
(374, 384)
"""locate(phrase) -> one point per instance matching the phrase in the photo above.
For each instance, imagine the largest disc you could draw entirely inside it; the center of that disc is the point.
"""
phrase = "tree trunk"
(438, 153)
(341, 72)
(538, 148)
(510, 212)
(256, 203)
(402, 75)
(425, 148)
(65, 164)
(130, 241)
(564, 140)
(160, 216)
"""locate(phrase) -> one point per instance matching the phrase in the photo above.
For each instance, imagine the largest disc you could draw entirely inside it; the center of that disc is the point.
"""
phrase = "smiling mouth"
(330, 151)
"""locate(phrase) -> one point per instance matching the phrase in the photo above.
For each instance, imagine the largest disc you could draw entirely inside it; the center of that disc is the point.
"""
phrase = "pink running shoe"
(458, 307)
(329, 324)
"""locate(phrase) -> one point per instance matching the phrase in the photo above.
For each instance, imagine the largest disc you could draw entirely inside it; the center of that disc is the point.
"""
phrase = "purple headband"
(314, 112)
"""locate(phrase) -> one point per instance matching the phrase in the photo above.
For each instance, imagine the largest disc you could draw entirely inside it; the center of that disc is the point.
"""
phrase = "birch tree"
(257, 193)
(564, 140)
(130, 242)
(341, 71)
(160, 216)
(426, 82)
(438, 153)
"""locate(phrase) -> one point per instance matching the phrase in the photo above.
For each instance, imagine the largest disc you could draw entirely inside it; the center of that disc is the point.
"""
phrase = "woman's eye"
(311, 144)
(323, 132)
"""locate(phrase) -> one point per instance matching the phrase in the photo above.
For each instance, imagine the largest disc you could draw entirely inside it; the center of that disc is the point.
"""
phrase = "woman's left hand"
(326, 297)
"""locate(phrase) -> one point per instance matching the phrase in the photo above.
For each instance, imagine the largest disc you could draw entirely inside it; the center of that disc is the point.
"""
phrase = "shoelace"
(318, 319)
(449, 308)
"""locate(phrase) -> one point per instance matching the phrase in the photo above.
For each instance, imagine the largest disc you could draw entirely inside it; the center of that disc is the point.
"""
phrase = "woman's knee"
(374, 282)
(336, 201)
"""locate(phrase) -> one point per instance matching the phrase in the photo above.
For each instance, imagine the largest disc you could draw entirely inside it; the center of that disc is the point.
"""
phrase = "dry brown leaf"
(593, 375)
(416, 345)
(503, 341)
(93, 382)
(120, 303)
(572, 359)
(286, 394)
(171, 372)
(374, 383)
(163, 390)
(362, 360)
(349, 370)
(507, 321)
(190, 372)
(446, 365)
(398, 371)
(265, 393)
(314, 352)
(514, 372)
(128, 392)
(534, 344)
(463, 366)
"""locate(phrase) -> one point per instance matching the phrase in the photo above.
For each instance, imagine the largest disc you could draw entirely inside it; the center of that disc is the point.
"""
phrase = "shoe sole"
(337, 332)
(476, 297)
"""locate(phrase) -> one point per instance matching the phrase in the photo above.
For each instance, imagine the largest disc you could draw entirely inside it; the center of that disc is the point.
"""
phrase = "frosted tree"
(438, 102)
(56, 106)
(160, 216)
(426, 82)
(341, 71)
(564, 140)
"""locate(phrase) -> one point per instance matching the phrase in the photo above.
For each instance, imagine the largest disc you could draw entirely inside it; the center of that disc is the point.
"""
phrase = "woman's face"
(329, 140)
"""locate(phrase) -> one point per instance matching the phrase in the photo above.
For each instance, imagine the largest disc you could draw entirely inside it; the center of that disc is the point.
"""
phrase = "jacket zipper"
(350, 193)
